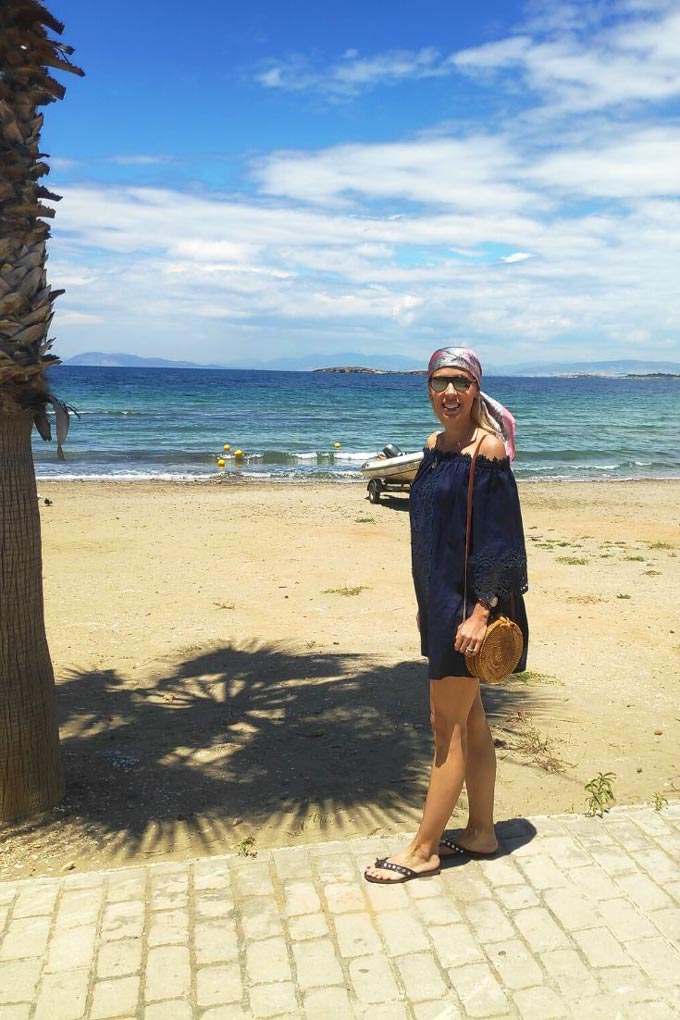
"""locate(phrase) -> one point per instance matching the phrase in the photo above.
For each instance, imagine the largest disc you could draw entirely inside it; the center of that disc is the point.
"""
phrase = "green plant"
(346, 591)
(659, 545)
(225, 605)
(245, 847)
(573, 561)
(600, 793)
(660, 802)
(364, 520)
(652, 573)
(635, 559)
(622, 595)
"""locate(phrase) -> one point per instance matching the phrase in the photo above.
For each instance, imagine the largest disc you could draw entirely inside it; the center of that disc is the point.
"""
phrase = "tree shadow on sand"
(252, 740)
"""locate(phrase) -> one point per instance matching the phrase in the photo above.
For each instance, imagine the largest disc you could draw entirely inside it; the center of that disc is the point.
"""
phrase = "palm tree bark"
(31, 774)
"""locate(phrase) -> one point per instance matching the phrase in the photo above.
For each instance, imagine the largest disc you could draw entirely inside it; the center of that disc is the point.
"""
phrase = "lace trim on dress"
(502, 574)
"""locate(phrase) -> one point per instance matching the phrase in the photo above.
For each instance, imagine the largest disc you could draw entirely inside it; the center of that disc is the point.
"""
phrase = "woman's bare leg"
(480, 781)
(451, 700)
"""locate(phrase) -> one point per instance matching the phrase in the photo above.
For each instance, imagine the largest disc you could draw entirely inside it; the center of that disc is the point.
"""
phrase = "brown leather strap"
(468, 523)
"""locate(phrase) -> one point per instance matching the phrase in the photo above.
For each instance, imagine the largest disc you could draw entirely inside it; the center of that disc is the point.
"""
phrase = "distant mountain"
(95, 359)
(395, 362)
(623, 366)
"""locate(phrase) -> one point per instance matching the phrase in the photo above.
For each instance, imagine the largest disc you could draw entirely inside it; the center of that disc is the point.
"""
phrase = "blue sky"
(265, 181)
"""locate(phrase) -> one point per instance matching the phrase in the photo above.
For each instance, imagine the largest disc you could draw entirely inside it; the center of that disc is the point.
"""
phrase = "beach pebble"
(658, 733)
(69, 867)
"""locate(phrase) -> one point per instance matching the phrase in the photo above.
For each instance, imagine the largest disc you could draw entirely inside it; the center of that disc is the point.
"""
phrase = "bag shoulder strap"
(468, 522)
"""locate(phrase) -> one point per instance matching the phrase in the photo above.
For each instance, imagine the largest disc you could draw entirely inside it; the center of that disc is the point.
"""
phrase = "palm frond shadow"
(244, 740)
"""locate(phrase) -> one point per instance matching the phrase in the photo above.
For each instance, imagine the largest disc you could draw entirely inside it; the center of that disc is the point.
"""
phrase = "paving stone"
(324, 1003)
(503, 871)
(437, 1011)
(402, 932)
(357, 935)
(169, 927)
(387, 1011)
(177, 1009)
(212, 873)
(425, 888)
(479, 992)
(8, 893)
(122, 921)
(168, 973)
(465, 888)
(614, 860)
(316, 964)
(293, 863)
(543, 873)
(627, 833)
(455, 945)
(382, 899)
(540, 930)
(18, 980)
(515, 965)
(20, 1011)
(307, 926)
(439, 911)
(62, 996)
(571, 908)
(80, 907)
(232, 1011)
(126, 885)
(71, 948)
(169, 891)
(36, 900)
(216, 986)
(644, 892)
(372, 980)
(517, 897)
(116, 997)
(654, 1011)
(335, 868)
(117, 959)
(84, 880)
(601, 949)
(215, 942)
(567, 971)
(300, 898)
(260, 917)
(344, 897)
(594, 883)
(267, 961)
(273, 1000)
(213, 903)
(421, 977)
(657, 958)
(541, 1002)
(565, 851)
(25, 937)
(668, 923)
(253, 879)
(624, 920)
(489, 921)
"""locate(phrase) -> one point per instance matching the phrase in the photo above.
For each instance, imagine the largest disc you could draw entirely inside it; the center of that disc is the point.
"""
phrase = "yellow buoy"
(238, 453)
(221, 462)
(226, 447)
(336, 446)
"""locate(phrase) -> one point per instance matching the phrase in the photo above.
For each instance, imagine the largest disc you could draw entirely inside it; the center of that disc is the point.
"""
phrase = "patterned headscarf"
(499, 417)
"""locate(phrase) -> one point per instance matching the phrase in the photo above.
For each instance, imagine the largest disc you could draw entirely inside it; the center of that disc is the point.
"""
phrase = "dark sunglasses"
(460, 383)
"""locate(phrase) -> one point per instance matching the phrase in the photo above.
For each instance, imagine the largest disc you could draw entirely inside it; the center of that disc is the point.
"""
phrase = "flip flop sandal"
(401, 869)
(462, 851)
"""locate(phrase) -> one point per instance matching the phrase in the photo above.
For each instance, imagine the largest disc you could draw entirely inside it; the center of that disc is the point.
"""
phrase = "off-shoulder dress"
(497, 564)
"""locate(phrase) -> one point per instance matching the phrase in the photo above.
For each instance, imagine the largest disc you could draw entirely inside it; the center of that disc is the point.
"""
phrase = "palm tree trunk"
(31, 773)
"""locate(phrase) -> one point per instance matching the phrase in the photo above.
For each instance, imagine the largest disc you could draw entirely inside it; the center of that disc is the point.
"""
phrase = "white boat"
(390, 471)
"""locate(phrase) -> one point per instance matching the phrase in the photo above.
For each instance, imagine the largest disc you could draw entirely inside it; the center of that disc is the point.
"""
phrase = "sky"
(250, 182)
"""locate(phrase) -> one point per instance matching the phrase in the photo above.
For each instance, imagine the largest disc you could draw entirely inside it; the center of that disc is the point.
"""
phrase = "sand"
(238, 665)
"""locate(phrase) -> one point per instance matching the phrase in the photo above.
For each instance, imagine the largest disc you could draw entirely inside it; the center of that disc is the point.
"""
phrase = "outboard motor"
(392, 451)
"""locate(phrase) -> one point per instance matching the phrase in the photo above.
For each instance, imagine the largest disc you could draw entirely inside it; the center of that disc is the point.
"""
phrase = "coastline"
(241, 661)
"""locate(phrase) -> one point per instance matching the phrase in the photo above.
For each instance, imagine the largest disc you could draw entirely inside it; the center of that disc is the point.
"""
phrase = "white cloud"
(517, 256)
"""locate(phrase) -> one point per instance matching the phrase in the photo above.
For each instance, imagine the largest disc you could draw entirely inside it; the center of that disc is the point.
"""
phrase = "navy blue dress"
(497, 565)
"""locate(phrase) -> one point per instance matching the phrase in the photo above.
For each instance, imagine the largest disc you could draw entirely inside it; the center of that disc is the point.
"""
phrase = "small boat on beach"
(390, 471)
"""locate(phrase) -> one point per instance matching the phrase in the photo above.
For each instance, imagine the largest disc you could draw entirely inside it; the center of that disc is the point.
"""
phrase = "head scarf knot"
(499, 417)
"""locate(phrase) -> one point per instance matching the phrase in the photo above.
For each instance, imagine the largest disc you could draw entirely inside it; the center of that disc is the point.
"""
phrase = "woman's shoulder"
(492, 447)
(431, 441)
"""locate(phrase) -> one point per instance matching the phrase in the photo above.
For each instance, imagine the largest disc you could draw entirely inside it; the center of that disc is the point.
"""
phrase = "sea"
(173, 424)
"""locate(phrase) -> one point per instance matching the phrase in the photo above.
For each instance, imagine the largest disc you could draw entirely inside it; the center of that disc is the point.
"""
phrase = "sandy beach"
(238, 665)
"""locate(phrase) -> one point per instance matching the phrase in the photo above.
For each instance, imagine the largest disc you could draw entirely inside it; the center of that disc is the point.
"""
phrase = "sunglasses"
(460, 383)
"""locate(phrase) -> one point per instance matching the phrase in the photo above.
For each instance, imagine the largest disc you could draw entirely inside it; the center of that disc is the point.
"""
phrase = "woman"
(464, 749)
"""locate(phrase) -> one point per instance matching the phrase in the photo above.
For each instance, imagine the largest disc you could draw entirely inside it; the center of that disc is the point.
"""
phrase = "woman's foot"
(418, 864)
(473, 841)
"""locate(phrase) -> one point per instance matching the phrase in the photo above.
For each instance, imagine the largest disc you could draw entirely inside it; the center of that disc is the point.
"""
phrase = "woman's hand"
(470, 633)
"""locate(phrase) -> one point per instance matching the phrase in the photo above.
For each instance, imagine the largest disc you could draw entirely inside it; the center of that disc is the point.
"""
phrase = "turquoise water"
(173, 423)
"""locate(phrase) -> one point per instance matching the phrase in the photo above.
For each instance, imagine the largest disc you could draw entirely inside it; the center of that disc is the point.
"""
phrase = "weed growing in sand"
(225, 605)
(635, 559)
(659, 545)
(529, 742)
(246, 847)
(660, 802)
(600, 793)
(346, 591)
(573, 561)
(622, 595)
(364, 520)
(530, 676)
(652, 573)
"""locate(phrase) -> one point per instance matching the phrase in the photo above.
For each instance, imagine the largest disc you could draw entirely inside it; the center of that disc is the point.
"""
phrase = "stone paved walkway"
(579, 918)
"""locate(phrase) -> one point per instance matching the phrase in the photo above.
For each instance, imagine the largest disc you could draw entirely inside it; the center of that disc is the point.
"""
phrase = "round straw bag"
(499, 652)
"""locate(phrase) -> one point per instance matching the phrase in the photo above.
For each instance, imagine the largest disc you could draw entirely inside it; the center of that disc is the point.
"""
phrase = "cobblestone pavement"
(578, 918)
